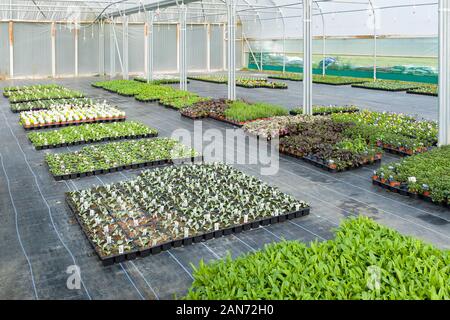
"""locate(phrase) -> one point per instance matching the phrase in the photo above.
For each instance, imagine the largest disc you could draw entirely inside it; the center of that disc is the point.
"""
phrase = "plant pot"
(208, 236)
(218, 234)
(237, 229)
(198, 239)
(246, 226)
(177, 243)
(155, 250)
(265, 222)
(131, 256)
(255, 224)
(119, 259)
(166, 246)
(145, 253)
(108, 262)
(187, 241)
(228, 231)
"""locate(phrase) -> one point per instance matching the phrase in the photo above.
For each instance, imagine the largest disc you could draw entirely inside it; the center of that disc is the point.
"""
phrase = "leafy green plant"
(241, 111)
(41, 93)
(116, 154)
(365, 261)
(432, 90)
(325, 110)
(388, 85)
(50, 103)
(90, 133)
(426, 173)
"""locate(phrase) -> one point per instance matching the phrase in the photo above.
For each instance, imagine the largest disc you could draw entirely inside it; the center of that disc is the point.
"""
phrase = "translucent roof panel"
(260, 18)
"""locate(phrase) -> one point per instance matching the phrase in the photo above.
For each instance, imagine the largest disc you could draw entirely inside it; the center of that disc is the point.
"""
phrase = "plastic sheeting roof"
(260, 18)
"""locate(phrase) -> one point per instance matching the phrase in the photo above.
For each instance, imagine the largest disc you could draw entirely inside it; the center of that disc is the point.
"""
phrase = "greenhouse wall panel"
(136, 48)
(118, 29)
(88, 50)
(216, 47)
(65, 50)
(32, 49)
(4, 51)
(106, 41)
(196, 47)
(165, 46)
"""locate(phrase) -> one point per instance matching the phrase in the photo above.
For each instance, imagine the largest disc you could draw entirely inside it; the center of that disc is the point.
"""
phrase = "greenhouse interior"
(225, 150)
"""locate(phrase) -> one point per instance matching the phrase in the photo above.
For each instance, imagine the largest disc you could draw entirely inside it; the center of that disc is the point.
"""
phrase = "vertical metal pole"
(307, 57)
(231, 14)
(76, 49)
(224, 48)
(284, 46)
(11, 49)
(53, 35)
(182, 41)
(208, 47)
(444, 72)
(149, 46)
(101, 48)
(125, 75)
(112, 53)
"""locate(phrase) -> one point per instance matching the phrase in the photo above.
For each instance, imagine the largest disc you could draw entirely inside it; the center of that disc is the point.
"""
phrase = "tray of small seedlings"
(118, 156)
(159, 80)
(287, 76)
(395, 133)
(245, 82)
(336, 80)
(328, 145)
(176, 206)
(41, 93)
(49, 104)
(7, 91)
(89, 133)
(426, 90)
(326, 110)
(424, 176)
(68, 115)
(236, 113)
(388, 85)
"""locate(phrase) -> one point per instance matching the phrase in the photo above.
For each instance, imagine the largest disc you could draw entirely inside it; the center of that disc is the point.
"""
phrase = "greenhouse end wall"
(33, 49)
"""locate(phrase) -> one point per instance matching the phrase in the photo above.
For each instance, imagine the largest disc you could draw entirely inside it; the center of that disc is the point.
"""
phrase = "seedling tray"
(403, 190)
(57, 98)
(143, 252)
(285, 78)
(320, 164)
(126, 167)
(59, 145)
(72, 123)
(384, 89)
(423, 93)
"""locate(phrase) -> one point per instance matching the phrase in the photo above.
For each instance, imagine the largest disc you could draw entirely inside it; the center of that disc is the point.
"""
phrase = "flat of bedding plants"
(177, 205)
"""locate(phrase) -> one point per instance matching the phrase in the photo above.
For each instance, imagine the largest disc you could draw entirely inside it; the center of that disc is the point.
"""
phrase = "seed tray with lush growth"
(326, 110)
(399, 132)
(236, 113)
(121, 155)
(388, 85)
(245, 82)
(168, 80)
(8, 90)
(178, 205)
(70, 115)
(49, 104)
(328, 145)
(337, 80)
(429, 90)
(425, 175)
(145, 92)
(301, 268)
(287, 76)
(72, 123)
(29, 95)
(88, 133)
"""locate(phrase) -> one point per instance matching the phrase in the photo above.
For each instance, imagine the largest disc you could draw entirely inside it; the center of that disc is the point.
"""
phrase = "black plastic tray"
(60, 145)
(57, 125)
(131, 255)
(125, 167)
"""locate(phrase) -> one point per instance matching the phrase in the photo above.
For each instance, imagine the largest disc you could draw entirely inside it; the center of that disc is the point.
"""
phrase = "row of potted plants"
(234, 112)
(7, 91)
(246, 82)
(326, 110)
(388, 85)
(176, 205)
(325, 143)
(70, 115)
(425, 175)
(48, 104)
(427, 90)
(166, 95)
(87, 133)
(102, 158)
(25, 95)
(395, 132)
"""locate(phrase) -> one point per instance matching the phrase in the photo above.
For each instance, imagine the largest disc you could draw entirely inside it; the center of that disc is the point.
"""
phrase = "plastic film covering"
(88, 50)
(32, 49)
(65, 50)
(4, 50)
(196, 47)
(136, 48)
(165, 46)
(216, 47)
(117, 29)
(106, 41)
